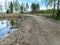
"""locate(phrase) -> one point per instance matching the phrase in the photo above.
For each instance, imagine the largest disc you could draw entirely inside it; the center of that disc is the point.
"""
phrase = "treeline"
(22, 8)
(56, 7)
(16, 7)
(49, 11)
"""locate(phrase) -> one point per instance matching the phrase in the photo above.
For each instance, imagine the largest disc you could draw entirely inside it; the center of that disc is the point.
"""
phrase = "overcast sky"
(41, 3)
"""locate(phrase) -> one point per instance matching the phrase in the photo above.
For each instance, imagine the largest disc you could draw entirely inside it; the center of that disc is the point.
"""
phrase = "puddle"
(8, 26)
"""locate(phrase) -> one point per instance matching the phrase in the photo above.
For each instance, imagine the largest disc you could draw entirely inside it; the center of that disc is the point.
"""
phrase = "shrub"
(58, 13)
(7, 11)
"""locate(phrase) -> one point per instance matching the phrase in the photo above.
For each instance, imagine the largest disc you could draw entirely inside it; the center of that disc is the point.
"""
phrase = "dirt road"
(35, 30)
(50, 30)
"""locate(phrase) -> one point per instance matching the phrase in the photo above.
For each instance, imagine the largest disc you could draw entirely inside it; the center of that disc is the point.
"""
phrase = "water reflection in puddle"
(8, 26)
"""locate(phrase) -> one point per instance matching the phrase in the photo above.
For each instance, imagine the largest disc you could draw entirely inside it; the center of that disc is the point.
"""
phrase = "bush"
(7, 11)
(47, 11)
(58, 13)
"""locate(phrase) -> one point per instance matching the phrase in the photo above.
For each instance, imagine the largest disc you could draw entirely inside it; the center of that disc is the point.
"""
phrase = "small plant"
(7, 11)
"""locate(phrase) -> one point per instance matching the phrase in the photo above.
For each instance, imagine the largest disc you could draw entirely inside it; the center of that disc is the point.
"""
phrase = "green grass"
(50, 16)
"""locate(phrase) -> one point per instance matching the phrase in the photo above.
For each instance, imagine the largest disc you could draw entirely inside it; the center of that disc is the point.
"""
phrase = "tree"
(33, 7)
(11, 7)
(22, 8)
(27, 6)
(54, 8)
(0, 8)
(51, 2)
(37, 7)
(7, 11)
(5, 4)
(58, 10)
(16, 5)
(58, 5)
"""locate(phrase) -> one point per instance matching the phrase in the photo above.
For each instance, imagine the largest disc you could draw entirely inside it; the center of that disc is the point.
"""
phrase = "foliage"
(46, 11)
(58, 9)
(16, 5)
(22, 8)
(51, 2)
(12, 22)
(1, 8)
(37, 8)
(11, 7)
(7, 11)
(27, 6)
(54, 3)
(58, 13)
(34, 7)
(5, 4)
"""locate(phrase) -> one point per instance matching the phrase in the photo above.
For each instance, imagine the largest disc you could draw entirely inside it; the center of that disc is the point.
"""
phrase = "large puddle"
(8, 26)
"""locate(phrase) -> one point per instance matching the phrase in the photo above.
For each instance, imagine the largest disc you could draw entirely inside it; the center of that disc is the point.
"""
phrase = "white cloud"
(43, 8)
(2, 2)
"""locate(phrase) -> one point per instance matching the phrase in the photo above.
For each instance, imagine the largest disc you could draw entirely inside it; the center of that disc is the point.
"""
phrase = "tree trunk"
(58, 9)
(54, 9)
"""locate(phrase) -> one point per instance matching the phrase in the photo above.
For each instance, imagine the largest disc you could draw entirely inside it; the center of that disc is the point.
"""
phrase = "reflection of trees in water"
(15, 22)
(7, 23)
(12, 22)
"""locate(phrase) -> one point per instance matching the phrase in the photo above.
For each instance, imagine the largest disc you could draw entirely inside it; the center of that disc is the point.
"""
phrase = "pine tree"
(11, 7)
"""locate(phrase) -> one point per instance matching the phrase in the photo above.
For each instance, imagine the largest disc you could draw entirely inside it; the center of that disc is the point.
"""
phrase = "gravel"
(35, 30)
